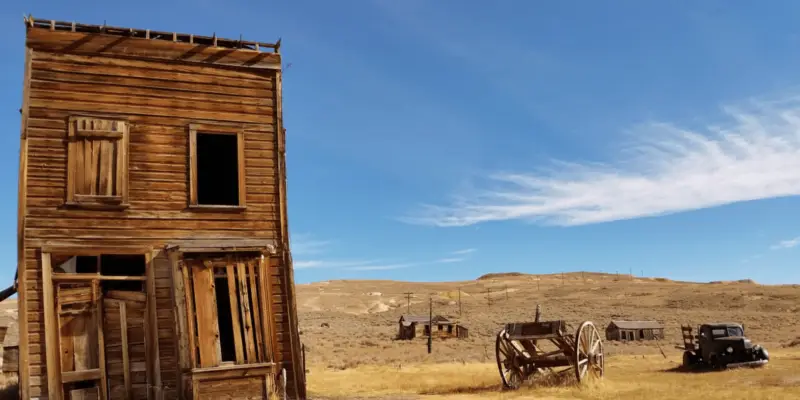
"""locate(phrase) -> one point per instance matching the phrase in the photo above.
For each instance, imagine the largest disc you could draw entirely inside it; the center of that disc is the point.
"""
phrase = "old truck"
(721, 345)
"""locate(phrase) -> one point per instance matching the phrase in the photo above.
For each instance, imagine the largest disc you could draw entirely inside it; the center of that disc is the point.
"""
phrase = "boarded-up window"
(228, 311)
(217, 166)
(98, 161)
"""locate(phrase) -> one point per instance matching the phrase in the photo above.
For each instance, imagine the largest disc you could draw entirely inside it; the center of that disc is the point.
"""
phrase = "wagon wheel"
(508, 363)
(588, 352)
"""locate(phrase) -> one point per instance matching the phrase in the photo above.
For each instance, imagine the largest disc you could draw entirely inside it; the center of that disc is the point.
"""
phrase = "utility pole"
(506, 292)
(430, 324)
(631, 273)
(562, 279)
(539, 284)
(459, 302)
(489, 295)
(408, 302)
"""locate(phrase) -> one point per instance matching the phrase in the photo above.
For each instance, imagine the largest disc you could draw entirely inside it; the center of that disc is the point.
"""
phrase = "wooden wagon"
(525, 349)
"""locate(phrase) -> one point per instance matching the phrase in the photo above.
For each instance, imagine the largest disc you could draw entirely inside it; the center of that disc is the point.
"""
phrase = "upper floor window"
(217, 166)
(97, 157)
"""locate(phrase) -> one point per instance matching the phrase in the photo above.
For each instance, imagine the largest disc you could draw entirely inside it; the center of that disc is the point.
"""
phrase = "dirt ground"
(349, 328)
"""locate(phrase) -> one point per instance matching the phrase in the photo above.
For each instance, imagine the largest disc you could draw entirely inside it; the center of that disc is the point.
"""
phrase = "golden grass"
(628, 377)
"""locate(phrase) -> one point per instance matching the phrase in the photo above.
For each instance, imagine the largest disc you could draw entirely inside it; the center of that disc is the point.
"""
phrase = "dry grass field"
(349, 329)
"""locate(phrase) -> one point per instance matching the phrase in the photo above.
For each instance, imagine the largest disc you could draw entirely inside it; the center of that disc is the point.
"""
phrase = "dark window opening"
(217, 169)
(226, 343)
(123, 265)
(641, 334)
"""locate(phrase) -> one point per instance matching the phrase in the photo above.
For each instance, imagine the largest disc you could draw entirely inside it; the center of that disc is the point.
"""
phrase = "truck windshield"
(735, 331)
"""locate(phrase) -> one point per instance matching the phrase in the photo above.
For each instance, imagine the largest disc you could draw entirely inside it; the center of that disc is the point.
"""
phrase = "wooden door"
(79, 339)
(124, 313)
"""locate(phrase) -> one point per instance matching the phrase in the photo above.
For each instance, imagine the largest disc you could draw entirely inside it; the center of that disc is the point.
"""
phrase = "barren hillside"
(350, 323)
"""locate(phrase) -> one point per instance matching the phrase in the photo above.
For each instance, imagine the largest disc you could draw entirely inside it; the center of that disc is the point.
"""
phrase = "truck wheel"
(688, 359)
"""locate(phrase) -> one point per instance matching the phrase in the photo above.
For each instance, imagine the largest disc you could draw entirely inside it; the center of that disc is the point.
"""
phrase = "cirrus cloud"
(668, 170)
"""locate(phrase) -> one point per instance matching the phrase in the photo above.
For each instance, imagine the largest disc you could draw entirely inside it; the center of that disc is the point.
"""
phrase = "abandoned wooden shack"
(408, 325)
(154, 257)
(10, 352)
(634, 330)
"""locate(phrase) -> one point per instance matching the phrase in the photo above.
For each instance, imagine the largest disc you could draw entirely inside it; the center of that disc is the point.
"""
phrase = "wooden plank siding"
(85, 74)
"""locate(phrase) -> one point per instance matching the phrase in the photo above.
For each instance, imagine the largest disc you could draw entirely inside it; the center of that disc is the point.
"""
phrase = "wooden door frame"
(55, 386)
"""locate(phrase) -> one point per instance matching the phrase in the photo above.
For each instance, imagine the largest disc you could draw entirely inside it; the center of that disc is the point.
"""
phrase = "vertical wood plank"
(151, 327)
(205, 307)
(193, 166)
(101, 343)
(94, 178)
(126, 367)
(181, 332)
(122, 166)
(22, 198)
(81, 186)
(87, 167)
(241, 163)
(72, 162)
(51, 332)
(247, 319)
(190, 315)
(237, 328)
(256, 311)
(106, 177)
(270, 335)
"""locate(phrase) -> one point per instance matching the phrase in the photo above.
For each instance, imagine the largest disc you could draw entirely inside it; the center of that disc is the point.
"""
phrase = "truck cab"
(722, 345)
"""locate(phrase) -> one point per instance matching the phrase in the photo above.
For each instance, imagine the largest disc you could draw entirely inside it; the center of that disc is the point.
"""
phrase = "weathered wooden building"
(444, 328)
(634, 330)
(153, 239)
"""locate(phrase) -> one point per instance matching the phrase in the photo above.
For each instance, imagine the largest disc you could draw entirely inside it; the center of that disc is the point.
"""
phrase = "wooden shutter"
(98, 161)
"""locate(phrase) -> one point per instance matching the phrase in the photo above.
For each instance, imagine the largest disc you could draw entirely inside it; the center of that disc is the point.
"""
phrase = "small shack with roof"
(445, 328)
(634, 330)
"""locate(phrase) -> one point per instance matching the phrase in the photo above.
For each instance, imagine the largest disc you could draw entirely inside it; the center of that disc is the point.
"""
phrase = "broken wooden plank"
(79, 376)
(205, 308)
(247, 318)
(235, 318)
(126, 370)
(256, 311)
(190, 315)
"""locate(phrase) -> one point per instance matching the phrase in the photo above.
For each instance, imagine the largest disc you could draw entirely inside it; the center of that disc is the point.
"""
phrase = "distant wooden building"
(153, 258)
(408, 325)
(10, 351)
(634, 330)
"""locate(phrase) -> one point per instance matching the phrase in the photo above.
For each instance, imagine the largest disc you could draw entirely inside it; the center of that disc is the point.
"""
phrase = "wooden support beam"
(151, 329)
(270, 337)
(52, 347)
(101, 343)
(190, 316)
(126, 368)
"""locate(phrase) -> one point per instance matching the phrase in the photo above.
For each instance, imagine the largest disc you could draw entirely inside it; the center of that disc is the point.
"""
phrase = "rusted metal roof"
(637, 324)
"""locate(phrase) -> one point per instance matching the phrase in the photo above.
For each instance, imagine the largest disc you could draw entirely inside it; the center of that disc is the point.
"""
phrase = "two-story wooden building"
(153, 241)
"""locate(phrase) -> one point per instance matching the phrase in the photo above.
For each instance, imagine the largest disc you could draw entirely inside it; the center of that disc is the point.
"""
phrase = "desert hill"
(348, 322)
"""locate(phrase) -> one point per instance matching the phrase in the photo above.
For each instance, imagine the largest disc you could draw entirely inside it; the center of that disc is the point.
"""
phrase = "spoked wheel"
(589, 358)
(507, 363)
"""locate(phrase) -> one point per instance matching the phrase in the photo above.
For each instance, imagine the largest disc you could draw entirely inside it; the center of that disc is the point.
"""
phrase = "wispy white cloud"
(382, 267)
(786, 244)
(308, 246)
(450, 260)
(329, 264)
(668, 170)
(305, 244)
(464, 251)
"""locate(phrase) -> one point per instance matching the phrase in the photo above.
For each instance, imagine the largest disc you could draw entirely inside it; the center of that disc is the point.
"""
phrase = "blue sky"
(441, 140)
